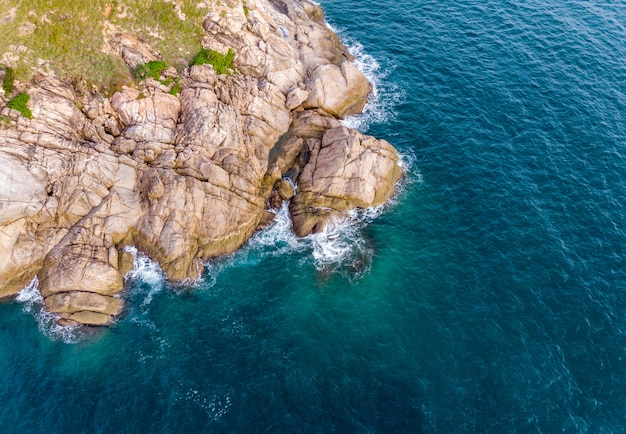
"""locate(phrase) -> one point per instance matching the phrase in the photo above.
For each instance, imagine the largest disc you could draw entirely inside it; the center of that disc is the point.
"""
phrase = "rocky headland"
(185, 165)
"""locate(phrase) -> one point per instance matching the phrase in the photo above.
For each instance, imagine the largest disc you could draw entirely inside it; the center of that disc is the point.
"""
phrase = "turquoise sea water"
(490, 297)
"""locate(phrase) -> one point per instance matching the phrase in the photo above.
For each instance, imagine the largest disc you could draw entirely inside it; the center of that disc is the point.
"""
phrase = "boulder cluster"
(184, 177)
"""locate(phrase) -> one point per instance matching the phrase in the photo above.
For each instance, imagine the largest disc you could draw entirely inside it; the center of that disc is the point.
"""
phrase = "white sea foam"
(412, 175)
(145, 271)
(278, 238)
(33, 303)
(339, 247)
(342, 244)
(385, 96)
(214, 404)
(30, 295)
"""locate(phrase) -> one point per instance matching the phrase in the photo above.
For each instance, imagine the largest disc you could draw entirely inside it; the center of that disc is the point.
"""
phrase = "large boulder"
(339, 90)
(346, 170)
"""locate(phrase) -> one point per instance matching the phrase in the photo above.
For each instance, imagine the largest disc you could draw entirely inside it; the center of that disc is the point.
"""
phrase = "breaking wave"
(385, 95)
(146, 278)
(278, 238)
(340, 247)
(32, 303)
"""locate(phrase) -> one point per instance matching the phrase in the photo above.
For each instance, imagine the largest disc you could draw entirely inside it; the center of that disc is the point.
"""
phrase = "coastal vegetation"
(222, 63)
(152, 69)
(175, 90)
(20, 103)
(7, 81)
(70, 36)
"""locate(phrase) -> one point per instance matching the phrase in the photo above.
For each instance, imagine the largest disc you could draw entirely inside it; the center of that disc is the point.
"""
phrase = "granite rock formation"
(189, 177)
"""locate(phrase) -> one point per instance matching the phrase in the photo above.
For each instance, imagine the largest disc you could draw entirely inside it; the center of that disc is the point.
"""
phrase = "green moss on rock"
(221, 63)
(20, 103)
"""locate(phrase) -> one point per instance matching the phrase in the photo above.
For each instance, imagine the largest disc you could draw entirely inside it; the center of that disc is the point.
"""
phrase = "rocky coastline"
(183, 176)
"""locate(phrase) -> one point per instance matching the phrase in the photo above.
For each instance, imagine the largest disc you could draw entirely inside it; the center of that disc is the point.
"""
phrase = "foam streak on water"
(384, 97)
(278, 238)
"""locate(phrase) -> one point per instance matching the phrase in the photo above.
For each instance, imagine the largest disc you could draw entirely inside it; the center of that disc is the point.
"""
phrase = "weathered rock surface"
(189, 177)
(346, 170)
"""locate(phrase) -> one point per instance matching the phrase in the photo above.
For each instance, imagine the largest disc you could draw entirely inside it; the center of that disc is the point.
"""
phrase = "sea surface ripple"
(489, 297)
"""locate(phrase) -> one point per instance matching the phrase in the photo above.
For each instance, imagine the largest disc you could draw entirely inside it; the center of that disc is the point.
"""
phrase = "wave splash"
(278, 238)
(33, 303)
(385, 95)
(146, 274)
(342, 240)
(340, 247)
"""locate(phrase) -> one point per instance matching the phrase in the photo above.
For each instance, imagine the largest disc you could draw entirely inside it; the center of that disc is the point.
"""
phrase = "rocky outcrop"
(345, 170)
(188, 177)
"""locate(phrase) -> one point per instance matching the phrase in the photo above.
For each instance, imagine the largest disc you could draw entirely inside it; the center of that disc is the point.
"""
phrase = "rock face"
(346, 170)
(189, 177)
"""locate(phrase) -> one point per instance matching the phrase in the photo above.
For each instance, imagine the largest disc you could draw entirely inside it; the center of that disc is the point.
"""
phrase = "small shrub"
(152, 69)
(7, 81)
(5, 120)
(246, 11)
(20, 103)
(222, 63)
(175, 90)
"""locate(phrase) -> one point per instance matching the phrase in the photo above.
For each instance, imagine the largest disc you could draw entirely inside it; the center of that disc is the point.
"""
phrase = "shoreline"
(184, 176)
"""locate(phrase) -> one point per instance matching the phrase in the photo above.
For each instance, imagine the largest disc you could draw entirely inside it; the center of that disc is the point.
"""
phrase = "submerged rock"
(188, 177)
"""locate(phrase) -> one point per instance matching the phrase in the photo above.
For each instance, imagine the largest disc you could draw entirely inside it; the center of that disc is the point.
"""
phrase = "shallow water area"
(488, 297)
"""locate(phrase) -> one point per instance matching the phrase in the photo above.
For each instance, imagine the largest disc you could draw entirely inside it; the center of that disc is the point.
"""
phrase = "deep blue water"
(490, 297)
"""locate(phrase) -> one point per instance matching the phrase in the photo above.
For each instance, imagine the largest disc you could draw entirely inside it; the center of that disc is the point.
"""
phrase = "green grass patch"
(152, 69)
(7, 81)
(222, 63)
(20, 103)
(5, 120)
(69, 34)
(175, 90)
